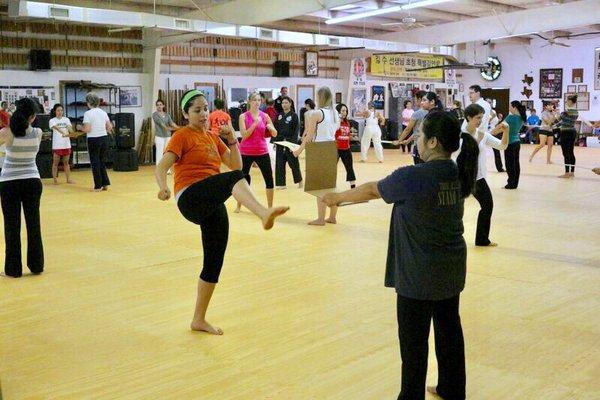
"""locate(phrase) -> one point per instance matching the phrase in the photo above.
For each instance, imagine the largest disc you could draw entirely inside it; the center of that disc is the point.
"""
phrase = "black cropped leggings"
(264, 164)
(202, 204)
(346, 156)
(567, 144)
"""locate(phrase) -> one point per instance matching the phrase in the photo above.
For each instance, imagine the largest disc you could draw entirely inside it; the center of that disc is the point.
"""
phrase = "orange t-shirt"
(216, 119)
(198, 156)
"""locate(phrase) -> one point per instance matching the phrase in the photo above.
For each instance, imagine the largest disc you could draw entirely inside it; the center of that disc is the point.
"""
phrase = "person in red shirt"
(4, 115)
(201, 190)
(271, 111)
(219, 117)
(342, 140)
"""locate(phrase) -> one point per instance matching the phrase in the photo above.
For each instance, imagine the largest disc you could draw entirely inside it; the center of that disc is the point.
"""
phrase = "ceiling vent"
(266, 34)
(333, 41)
(59, 12)
(183, 24)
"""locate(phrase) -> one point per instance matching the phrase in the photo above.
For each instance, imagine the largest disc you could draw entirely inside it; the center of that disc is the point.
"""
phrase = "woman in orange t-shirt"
(201, 191)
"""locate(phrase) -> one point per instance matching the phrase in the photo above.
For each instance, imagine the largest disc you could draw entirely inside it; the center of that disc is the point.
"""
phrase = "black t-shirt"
(427, 254)
(279, 107)
(287, 127)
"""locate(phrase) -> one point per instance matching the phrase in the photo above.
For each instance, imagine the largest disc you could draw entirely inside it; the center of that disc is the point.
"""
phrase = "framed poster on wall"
(597, 69)
(210, 90)
(130, 96)
(304, 92)
(311, 64)
(551, 80)
(359, 101)
(378, 97)
(583, 101)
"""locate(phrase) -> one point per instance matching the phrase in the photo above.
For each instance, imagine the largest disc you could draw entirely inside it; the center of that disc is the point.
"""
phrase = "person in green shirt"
(515, 120)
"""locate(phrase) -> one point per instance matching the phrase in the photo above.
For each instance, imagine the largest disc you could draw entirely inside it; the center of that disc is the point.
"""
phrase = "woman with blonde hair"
(321, 125)
(255, 127)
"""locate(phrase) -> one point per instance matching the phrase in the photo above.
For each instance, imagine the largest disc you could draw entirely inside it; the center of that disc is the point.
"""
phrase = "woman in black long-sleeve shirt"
(287, 125)
(568, 134)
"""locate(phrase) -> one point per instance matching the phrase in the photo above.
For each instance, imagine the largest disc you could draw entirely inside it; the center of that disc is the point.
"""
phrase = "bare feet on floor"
(318, 222)
(432, 390)
(269, 219)
(331, 220)
(56, 182)
(204, 326)
(564, 176)
(71, 182)
(95, 190)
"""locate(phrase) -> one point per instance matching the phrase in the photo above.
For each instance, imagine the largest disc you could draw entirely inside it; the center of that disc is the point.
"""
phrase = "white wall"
(52, 78)
(516, 63)
(186, 81)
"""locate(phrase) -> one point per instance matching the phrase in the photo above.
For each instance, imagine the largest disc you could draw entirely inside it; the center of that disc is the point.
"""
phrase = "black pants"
(264, 163)
(513, 166)
(567, 144)
(202, 204)
(284, 155)
(97, 148)
(484, 196)
(414, 320)
(346, 156)
(25, 192)
(498, 160)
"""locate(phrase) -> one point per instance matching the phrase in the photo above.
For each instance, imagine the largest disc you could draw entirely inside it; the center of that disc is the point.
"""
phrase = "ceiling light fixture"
(381, 11)
(423, 3)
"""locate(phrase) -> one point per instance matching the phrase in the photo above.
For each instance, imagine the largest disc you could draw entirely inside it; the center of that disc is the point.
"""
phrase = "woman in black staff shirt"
(427, 254)
(287, 126)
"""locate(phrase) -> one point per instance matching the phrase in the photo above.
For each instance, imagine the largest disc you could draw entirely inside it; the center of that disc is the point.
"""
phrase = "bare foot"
(300, 184)
(432, 390)
(237, 210)
(530, 158)
(95, 190)
(363, 160)
(331, 220)
(71, 182)
(493, 244)
(549, 162)
(318, 222)
(564, 176)
(571, 175)
(269, 219)
(105, 188)
(206, 327)
(56, 182)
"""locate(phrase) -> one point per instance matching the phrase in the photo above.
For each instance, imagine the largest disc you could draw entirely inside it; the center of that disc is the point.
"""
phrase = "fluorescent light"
(509, 36)
(381, 11)
(363, 15)
(423, 3)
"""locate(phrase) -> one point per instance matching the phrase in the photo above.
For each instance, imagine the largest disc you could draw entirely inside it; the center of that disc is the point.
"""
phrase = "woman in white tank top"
(321, 126)
(371, 132)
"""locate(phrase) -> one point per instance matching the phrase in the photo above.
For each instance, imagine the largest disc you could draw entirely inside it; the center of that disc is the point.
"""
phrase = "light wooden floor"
(304, 309)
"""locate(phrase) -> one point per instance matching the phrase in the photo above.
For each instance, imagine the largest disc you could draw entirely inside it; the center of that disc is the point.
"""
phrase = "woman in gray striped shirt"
(20, 185)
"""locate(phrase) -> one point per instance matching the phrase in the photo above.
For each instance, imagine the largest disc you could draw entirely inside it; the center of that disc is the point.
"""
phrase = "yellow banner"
(396, 66)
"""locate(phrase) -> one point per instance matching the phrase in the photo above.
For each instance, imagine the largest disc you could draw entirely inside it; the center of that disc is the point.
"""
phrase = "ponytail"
(444, 126)
(521, 108)
(19, 122)
(467, 164)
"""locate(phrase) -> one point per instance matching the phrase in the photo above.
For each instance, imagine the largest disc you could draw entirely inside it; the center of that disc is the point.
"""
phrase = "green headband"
(189, 95)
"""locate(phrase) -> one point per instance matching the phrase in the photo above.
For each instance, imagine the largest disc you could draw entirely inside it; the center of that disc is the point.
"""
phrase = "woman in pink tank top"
(256, 127)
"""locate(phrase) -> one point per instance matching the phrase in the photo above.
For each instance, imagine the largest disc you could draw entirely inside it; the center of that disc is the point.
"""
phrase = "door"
(500, 99)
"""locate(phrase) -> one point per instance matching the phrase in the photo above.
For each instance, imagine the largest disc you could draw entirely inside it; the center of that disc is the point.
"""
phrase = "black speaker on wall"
(125, 130)
(40, 60)
(281, 68)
